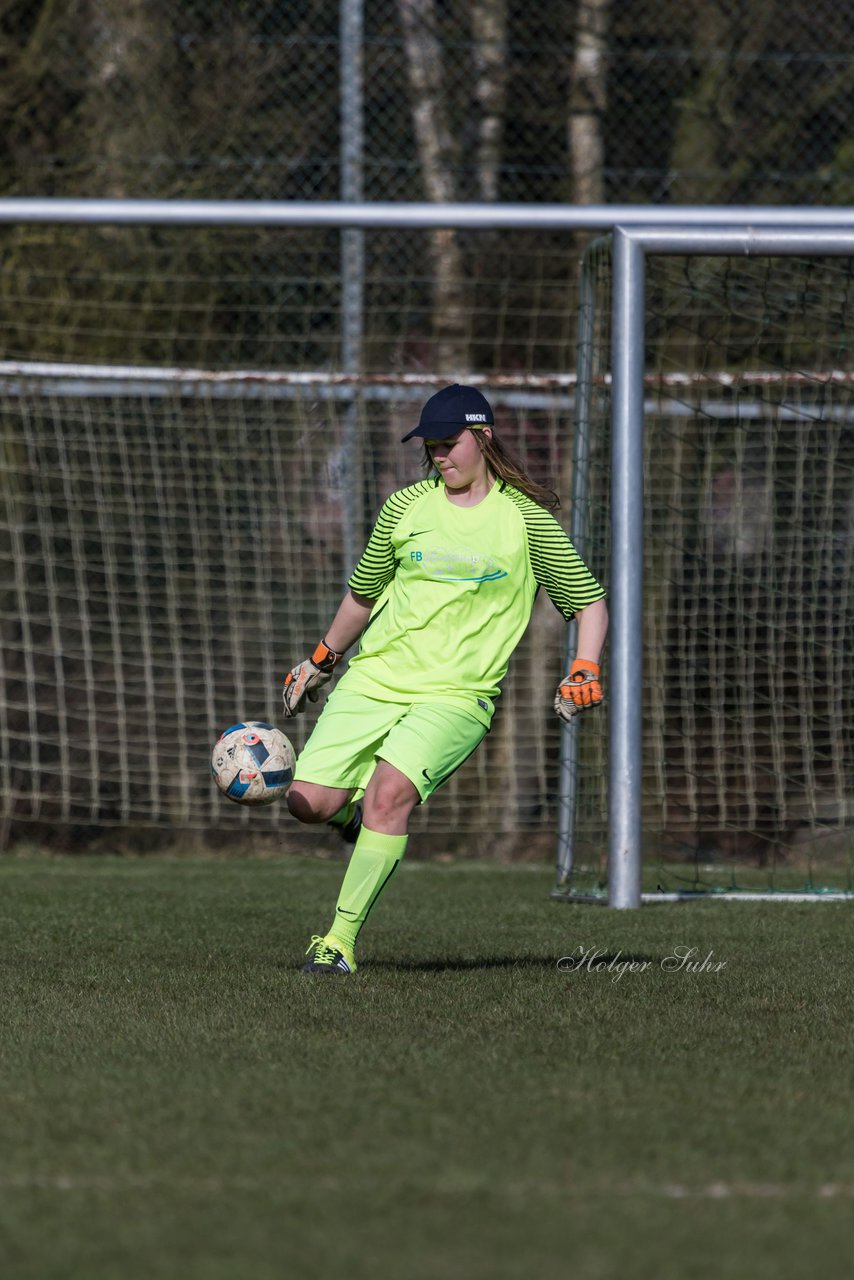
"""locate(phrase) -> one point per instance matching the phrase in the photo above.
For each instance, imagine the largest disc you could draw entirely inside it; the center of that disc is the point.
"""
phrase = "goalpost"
(747, 534)
(179, 419)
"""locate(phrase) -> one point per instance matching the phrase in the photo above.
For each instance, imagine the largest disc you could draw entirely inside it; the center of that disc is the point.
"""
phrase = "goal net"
(749, 572)
(188, 472)
(186, 477)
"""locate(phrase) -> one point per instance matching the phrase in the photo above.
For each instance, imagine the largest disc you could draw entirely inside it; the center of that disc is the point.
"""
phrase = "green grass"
(179, 1101)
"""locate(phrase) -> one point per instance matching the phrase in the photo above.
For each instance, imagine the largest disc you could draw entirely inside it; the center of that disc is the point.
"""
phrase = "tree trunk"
(436, 151)
(587, 101)
(129, 86)
(489, 26)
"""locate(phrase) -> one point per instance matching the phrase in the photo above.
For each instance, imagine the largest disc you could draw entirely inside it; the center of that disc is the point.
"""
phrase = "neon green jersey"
(454, 589)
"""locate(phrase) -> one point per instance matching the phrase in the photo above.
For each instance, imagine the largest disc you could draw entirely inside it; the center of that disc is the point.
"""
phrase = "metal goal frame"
(638, 231)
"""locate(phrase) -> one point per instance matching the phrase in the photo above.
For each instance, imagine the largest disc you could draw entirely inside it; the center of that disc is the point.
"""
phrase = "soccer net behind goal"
(749, 569)
(170, 545)
(187, 473)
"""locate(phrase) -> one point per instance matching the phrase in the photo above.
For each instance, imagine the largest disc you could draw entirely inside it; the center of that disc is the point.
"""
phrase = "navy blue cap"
(451, 410)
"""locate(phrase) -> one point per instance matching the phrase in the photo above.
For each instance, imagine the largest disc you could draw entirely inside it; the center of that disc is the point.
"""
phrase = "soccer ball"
(253, 763)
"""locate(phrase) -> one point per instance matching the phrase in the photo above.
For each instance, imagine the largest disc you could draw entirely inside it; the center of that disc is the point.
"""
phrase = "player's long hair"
(504, 464)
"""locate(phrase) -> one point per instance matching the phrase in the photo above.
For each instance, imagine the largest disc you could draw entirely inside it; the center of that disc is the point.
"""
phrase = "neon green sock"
(372, 863)
(343, 816)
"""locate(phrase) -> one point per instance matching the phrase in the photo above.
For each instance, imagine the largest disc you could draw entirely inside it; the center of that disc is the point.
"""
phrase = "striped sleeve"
(378, 564)
(557, 566)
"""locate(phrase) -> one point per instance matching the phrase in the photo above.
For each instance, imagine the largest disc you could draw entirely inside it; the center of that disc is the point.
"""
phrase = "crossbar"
(403, 215)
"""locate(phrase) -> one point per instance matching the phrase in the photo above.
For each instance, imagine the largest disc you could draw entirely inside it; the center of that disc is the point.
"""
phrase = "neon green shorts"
(427, 742)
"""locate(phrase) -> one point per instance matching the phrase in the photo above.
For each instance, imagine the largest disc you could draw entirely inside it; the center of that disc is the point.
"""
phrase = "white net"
(167, 554)
(172, 541)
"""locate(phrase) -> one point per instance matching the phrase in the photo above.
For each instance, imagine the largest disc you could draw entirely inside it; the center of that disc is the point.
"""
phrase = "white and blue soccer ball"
(253, 763)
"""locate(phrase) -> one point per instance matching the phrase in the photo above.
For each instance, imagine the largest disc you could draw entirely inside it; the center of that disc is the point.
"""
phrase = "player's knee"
(389, 802)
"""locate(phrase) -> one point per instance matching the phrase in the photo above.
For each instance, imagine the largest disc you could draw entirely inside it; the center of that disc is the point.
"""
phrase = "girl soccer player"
(440, 599)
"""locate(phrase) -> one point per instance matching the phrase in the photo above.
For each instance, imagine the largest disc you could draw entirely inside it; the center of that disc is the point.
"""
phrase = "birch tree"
(489, 29)
(588, 98)
(437, 154)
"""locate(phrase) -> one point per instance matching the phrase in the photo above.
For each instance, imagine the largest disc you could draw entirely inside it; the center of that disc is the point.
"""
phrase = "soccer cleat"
(328, 955)
(349, 830)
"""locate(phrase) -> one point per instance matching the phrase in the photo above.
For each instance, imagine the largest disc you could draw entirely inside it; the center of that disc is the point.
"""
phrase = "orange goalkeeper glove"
(580, 690)
(307, 679)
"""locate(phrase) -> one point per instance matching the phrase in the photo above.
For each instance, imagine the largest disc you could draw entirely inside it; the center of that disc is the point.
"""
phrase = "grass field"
(179, 1101)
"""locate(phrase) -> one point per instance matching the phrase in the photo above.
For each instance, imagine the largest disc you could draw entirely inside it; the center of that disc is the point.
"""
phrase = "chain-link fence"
(711, 102)
(588, 101)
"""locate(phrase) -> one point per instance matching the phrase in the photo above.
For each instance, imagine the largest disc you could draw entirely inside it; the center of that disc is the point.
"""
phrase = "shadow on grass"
(464, 964)
(469, 964)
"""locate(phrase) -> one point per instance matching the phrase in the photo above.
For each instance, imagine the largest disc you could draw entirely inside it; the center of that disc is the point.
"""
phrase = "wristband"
(325, 658)
(584, 664)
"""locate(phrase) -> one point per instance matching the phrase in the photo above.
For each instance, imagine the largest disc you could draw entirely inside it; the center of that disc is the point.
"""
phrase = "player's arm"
(582, 687)
(592, 629)
(353, 615)
(574, 591)
(308, 677)
(372, 575)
